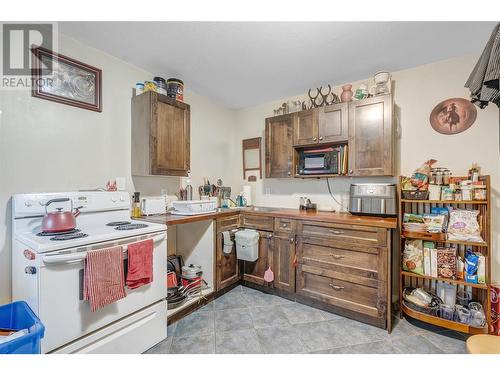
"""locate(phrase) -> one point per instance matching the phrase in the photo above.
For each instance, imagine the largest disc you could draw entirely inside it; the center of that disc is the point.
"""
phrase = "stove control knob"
(30, 270)
(113, 199)
(28, 203)
(42, 202)
(122, 199)
(28, 254)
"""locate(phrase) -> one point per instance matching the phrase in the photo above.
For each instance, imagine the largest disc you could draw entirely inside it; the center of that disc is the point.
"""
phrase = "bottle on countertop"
(189, 191)
(136, 205)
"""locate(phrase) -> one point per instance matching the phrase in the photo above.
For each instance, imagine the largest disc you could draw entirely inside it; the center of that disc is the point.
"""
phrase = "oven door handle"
(74, 258)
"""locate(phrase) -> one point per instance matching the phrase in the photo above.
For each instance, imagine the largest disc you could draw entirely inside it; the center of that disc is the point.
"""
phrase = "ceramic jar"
(347, 93)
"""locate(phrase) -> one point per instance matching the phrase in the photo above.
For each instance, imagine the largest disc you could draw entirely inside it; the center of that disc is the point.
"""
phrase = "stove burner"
(69, 236)
(44, 234)
(116, 223)
(130, 226)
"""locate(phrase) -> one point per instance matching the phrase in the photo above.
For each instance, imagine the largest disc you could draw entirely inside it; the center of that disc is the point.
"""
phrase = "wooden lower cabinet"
(226, 267)
(337, 267)
(283, 262)
(254, 271)
(351, 277)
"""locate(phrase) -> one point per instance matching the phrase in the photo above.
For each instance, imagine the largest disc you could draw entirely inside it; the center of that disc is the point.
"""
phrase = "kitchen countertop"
(324, 216)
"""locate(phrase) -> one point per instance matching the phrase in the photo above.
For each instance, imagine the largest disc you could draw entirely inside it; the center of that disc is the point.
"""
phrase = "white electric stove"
(47, 272)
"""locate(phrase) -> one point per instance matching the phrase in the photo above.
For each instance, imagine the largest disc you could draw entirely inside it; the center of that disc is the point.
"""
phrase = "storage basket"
(415, 194)
(17, 316)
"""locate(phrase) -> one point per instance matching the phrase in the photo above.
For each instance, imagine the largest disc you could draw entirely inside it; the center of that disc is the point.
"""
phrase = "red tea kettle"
(59, 221)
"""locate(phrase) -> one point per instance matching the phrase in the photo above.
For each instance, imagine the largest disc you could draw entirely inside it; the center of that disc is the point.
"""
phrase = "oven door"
(62, 310)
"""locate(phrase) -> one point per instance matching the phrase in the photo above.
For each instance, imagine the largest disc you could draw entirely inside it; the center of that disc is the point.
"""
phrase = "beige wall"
(416, 92)
(46, 146)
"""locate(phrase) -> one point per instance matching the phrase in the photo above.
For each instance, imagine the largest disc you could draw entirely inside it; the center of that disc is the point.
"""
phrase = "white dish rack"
(189, 208)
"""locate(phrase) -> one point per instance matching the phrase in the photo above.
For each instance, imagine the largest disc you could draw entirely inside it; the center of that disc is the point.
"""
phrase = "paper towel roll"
(247, 194)
(228, 244)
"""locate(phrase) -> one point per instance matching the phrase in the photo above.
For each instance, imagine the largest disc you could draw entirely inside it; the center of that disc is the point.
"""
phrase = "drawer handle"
(270, 236)
(284, 225)
(336, 256)
(337, 232)
(337, 287)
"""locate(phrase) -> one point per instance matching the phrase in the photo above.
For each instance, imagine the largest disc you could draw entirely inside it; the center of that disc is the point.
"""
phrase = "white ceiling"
(245, 64)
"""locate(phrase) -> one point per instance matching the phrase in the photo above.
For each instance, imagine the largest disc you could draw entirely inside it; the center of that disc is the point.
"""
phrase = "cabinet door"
(371, 137)
(284, 255)
(279, 146)
(333, 125)
(306, 127)
(254, 271)
(227, 265)
(170, 140)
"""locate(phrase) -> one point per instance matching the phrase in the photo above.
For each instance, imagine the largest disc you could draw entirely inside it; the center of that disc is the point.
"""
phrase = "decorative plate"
(453, 116)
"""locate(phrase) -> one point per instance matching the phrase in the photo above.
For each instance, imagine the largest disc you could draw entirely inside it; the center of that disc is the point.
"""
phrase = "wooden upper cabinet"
(160, 136)
(333, 126)
(371, 137)
(279, 146)
(305, 130)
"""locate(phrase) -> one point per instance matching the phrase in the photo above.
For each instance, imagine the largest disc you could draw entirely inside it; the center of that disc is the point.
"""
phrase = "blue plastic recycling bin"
(17, 316)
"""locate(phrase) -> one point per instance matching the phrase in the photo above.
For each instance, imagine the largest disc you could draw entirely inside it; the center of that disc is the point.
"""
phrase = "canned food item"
(161, 85)
(175, 89)
(446, 177)
(149, 86)
(139, 88)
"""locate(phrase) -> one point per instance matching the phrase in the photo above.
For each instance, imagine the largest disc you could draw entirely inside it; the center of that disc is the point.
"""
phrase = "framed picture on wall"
(64, 80)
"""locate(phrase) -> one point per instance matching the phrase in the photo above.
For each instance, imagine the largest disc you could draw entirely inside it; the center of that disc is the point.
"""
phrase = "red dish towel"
(140, 264)
(104, 277)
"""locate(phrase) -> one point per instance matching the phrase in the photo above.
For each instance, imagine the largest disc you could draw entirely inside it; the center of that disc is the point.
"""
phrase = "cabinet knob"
(337, 287)
(289, 173)
(351, 171)
(320, 138)
(315, 139)
(270, 236)
(292, 240)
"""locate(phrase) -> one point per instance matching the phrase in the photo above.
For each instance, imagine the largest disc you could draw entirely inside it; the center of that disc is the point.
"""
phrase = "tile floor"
(245, 321)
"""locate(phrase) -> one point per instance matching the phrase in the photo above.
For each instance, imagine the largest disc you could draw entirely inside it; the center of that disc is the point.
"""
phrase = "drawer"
(257, 222)
(228, 223)
(364, 260)
(352, 234)
(284, 225)
(340, 290)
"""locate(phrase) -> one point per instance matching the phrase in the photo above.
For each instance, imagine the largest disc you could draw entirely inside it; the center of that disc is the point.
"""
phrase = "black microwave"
(318, 161)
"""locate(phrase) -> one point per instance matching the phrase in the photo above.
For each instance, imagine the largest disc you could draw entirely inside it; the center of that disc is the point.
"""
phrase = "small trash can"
(247, 244)
(17, 316)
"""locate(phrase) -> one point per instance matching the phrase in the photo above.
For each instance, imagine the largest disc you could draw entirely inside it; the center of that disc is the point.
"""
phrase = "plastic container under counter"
(247, 244)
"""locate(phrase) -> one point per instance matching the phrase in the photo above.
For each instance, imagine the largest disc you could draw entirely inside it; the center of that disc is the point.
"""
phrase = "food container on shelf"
(446, 312)
(434, 192)
(466, 193)
(477, 318)
(447, 292)
(193, 207)
(480, 192)
(462, 314)
(464, 297)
